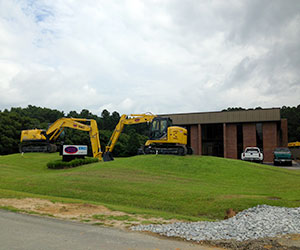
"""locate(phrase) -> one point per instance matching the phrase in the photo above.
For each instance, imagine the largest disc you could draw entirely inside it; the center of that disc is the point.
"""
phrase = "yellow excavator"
(294, 144)
(38, 140)
(164, 138)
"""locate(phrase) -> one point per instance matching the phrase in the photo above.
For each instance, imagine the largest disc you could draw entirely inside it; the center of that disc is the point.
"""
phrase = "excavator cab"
(159, 127)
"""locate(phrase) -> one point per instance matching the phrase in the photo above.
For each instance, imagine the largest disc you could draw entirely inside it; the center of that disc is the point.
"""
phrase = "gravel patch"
(254, 223)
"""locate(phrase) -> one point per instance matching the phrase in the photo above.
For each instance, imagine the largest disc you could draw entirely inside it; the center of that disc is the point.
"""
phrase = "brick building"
(228, 133)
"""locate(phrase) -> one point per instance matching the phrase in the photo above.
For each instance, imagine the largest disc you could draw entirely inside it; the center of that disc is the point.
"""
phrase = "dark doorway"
(259, 136)
(212, 140)
(188, 128)
(239, 140)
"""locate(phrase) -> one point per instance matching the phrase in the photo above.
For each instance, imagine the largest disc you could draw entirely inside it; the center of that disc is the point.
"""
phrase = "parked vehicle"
(282, 156)
(252, 154)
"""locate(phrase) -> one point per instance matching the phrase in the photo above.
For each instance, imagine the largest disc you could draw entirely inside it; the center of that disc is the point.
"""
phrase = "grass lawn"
(190, 187)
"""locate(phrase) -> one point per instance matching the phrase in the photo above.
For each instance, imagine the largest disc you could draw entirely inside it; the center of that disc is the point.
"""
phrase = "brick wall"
(249, 135)
(194, 138)
(230, 141)
(224, 139)
(269, 140)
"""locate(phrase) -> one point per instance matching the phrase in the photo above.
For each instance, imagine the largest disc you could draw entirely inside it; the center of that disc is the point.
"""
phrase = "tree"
(133, 143)
(115, 117)
(233, 109)
(292, 114)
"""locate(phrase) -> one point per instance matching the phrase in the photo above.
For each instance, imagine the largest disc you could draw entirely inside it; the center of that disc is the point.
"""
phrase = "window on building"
(212, 139)
(239, 139)
(259, 136)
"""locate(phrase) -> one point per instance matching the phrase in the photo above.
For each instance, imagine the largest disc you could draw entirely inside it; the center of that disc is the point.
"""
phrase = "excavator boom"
(124, 120)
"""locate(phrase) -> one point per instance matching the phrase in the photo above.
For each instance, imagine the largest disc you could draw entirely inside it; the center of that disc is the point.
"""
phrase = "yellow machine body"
(294, 144)
(176, 135)
(32, 135)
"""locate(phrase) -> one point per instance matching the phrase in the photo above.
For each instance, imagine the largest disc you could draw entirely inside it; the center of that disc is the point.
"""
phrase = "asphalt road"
(20, 231)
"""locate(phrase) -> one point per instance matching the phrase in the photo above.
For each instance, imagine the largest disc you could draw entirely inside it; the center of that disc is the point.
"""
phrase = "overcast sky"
(159, 56)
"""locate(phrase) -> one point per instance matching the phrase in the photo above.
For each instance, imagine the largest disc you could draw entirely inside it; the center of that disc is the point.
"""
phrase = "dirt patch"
(93, 214)
(63, 210)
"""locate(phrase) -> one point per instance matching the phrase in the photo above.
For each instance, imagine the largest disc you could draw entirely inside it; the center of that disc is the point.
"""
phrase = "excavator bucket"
(107, 156)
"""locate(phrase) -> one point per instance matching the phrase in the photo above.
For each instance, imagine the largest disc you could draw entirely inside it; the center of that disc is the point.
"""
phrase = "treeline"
(292, 114)
(13, 121)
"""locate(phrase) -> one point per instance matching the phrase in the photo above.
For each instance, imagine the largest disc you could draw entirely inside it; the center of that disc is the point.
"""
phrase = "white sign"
(75, 150)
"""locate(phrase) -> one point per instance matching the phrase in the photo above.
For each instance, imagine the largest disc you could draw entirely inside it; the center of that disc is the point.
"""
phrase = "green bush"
(59, 164)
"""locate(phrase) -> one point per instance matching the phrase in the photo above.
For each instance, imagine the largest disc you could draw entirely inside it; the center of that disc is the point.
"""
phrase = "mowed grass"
(190, 187)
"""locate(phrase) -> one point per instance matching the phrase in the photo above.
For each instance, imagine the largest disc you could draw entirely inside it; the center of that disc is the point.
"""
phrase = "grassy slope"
(186, 187)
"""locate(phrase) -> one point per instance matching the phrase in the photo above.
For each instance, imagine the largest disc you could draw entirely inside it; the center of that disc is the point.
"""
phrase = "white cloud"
(158, 56)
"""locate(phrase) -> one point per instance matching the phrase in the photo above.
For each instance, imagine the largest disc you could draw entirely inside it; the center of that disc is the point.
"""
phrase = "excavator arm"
(58, 126)
(124, 120)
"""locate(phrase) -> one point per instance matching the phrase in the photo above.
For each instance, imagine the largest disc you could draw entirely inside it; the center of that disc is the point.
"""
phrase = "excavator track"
(164, 150)
(34, 147)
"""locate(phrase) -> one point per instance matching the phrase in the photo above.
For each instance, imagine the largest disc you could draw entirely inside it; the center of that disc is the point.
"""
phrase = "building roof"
(255, 115)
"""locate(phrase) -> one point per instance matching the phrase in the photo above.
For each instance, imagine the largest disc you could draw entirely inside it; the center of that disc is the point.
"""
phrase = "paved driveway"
(296, 165)
(20, 231)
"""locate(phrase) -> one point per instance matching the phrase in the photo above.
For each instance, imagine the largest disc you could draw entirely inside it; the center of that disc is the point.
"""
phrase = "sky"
(159, 56)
